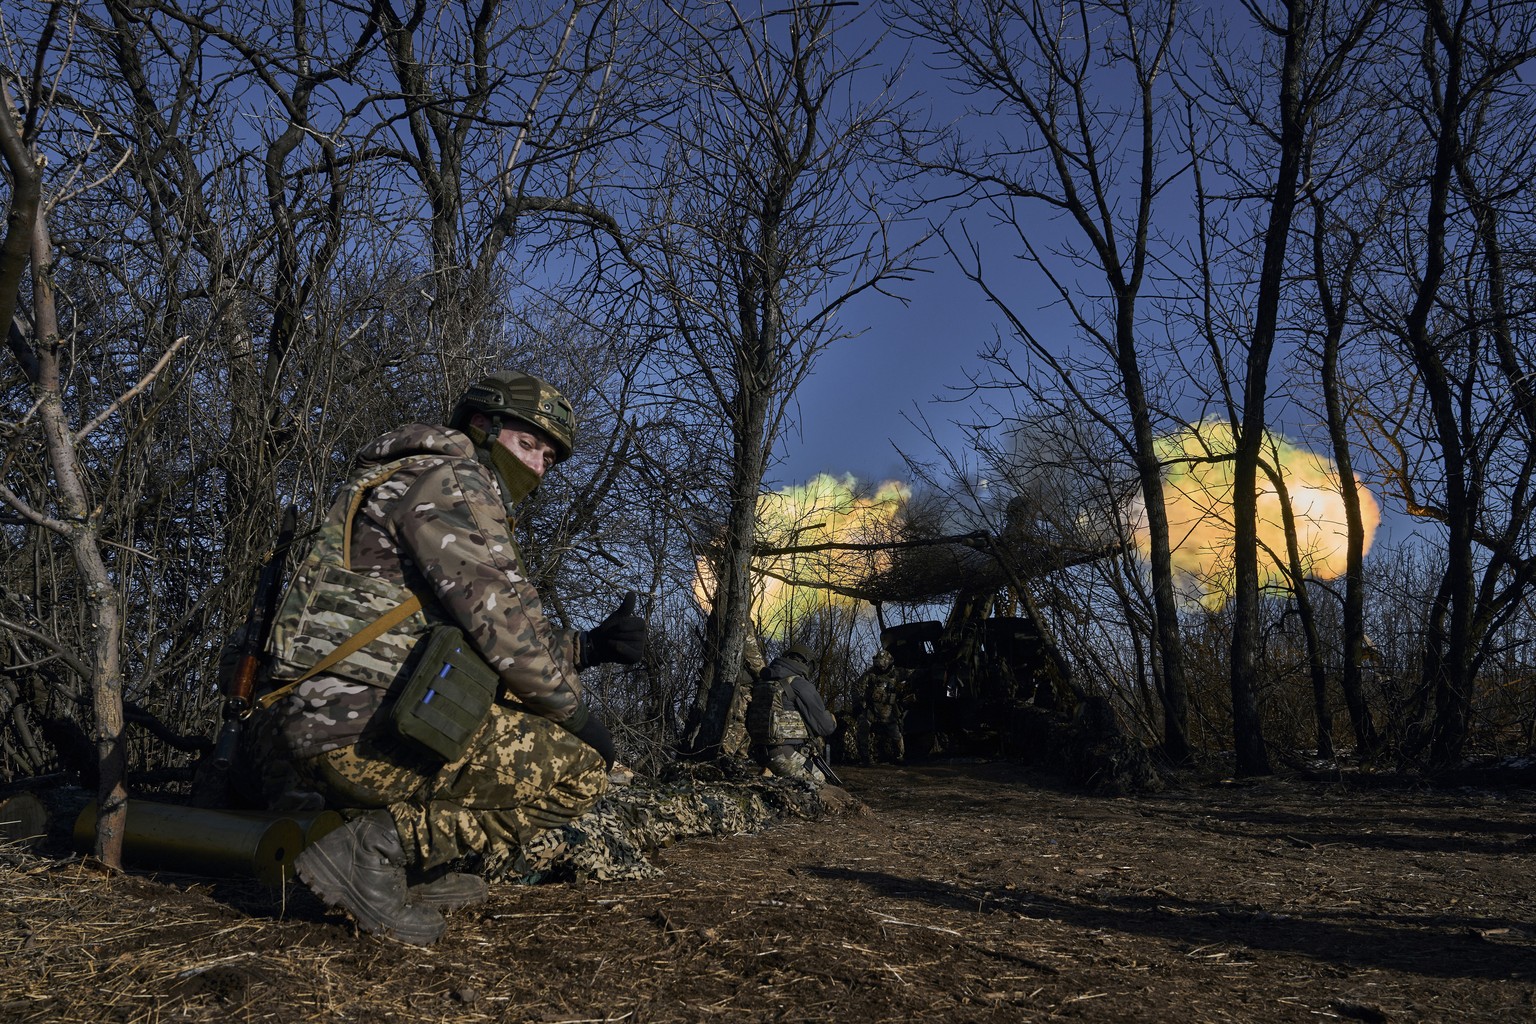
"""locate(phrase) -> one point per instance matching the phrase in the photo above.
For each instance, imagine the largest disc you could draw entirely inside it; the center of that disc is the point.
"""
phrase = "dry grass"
(967, 893)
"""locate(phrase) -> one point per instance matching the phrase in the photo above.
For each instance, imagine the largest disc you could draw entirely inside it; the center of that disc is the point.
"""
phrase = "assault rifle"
(820, 763)
(212, 783)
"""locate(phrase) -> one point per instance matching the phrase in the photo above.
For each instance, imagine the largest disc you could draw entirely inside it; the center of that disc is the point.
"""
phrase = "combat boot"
(360, 867)
(448, 891)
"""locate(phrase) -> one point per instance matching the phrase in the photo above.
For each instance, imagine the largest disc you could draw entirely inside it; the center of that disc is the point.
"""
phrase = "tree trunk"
(1169, 651)
(101, 598)
(1335, 307)
(1247, 724)
(1448, 625)
(726, 643)
(1317, 671)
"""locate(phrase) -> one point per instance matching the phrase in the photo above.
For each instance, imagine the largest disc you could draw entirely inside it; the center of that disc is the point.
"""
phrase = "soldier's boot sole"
(359, 868)
(449, 892)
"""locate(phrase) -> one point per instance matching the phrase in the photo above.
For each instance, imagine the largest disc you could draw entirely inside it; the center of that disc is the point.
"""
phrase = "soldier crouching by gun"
(787, 719)
(420, 689)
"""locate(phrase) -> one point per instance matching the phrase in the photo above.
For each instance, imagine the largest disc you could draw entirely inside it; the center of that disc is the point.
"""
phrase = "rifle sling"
(354, 643)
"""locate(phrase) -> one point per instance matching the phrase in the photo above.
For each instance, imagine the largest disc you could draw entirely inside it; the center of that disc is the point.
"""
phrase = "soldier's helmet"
(799, 652)
(514, 395)
(883, 660)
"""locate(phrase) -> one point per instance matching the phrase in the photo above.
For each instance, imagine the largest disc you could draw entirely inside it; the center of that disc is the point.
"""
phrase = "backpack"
(772, 719)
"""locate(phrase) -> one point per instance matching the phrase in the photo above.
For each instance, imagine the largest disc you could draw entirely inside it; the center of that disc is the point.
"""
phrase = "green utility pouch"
(447, 696)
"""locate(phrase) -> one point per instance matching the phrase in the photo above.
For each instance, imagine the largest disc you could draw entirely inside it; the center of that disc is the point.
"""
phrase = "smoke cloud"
(1198, 493)
(826, 509)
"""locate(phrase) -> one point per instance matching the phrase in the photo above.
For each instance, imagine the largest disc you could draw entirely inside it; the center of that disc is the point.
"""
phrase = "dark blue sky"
(865, 393)
(859, 405)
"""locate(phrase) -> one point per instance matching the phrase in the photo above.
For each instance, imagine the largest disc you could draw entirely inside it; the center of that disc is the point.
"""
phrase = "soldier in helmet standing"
(421, 538)
(884, 711)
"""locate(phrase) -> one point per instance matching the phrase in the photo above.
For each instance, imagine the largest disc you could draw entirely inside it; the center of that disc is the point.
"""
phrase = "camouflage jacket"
(882, 694)
(435, 527)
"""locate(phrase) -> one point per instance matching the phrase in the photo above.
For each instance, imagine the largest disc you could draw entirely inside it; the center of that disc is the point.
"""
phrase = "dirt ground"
(960, 892)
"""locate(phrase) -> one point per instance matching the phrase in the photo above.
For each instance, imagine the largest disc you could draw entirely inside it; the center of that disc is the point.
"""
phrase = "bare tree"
(1312, 46)
(507, 117)
(65, 506)
(1337, 229)
(1083, 89)
(767, 193)
(1458, 447)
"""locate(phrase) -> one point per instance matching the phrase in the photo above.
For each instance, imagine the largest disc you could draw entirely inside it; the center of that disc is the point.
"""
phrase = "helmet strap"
(516, 480)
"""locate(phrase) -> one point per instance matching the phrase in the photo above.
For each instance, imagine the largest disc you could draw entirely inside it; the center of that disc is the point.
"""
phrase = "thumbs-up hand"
(620, 638)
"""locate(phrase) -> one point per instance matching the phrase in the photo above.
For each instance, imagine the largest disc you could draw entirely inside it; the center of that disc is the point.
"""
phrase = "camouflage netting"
(613, 841)
(1089, 747)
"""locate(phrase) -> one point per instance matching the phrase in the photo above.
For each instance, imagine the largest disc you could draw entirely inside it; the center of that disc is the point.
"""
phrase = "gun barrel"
(258, 619)
(825, 768)
(211, 788)
(227, 742)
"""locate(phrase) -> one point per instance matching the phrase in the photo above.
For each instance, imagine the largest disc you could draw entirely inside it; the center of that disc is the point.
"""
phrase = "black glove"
(619, 638)
(588, 728)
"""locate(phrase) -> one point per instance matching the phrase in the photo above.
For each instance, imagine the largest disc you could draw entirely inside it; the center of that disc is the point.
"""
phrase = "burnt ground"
(962, 892)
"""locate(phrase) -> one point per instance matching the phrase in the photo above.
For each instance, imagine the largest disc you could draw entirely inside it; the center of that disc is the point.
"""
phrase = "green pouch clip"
(447, 696)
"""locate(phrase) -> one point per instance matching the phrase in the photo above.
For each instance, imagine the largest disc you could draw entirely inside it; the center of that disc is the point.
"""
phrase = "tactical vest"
(772, 719)
(882, 697)
(327, 603)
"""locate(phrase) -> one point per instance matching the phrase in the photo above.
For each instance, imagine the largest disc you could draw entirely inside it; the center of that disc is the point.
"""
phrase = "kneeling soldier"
(437, 744)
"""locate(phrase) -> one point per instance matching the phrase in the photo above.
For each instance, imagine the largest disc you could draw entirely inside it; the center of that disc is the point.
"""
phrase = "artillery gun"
(968, 675)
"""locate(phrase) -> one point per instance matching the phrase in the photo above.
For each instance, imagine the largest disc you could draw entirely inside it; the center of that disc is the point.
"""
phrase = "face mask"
(517, 480)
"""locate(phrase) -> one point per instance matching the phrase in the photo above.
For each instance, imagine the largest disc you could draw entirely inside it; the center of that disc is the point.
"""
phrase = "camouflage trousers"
(861, 738)
(790, 761)
(735, 743)
(889, 741)
(521, 774)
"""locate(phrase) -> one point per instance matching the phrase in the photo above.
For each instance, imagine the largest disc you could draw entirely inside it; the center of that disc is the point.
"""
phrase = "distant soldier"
(885, 701)
(844, 742)
(735, 742)
(861, 722)
(787, 719)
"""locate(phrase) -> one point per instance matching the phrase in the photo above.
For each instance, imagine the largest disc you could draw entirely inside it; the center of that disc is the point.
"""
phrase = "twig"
(915, 924)
(143, 383)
